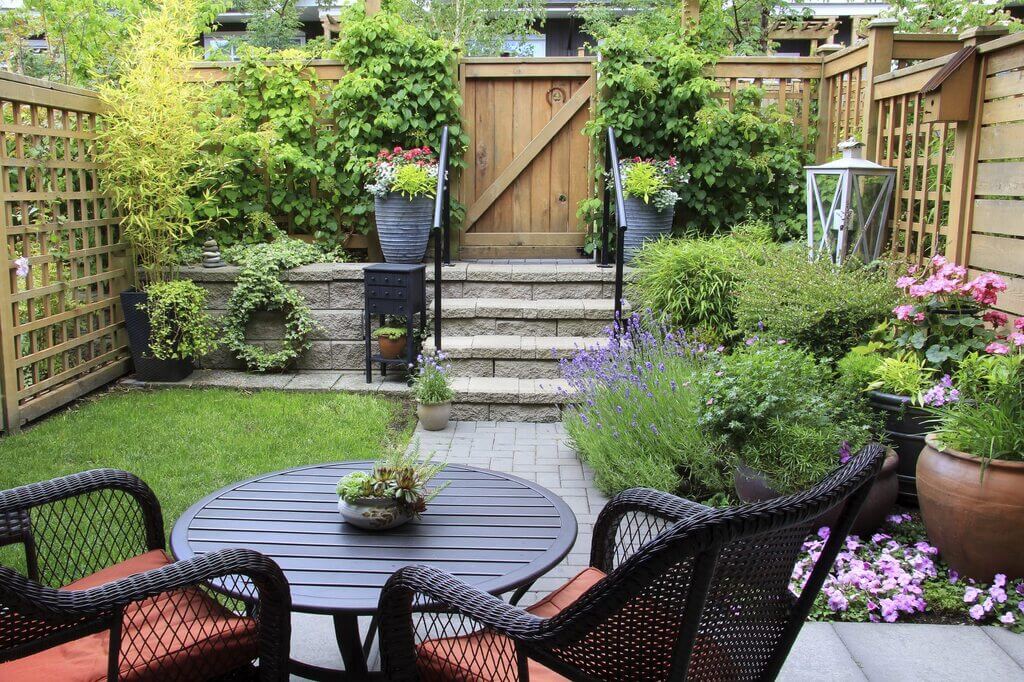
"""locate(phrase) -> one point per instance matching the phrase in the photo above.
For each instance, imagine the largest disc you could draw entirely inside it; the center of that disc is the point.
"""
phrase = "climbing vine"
(740, 162)
(298, 148)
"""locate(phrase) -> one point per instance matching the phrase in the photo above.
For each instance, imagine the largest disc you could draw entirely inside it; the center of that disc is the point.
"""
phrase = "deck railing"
(612, 169)
(441, 229)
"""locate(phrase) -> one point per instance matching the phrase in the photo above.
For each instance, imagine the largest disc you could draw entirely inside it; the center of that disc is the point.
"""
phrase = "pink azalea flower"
(996, 348)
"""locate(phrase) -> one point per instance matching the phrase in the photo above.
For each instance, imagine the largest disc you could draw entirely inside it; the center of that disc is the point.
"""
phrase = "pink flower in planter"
(906, 281)
(903, 312)
(1019, 323)
(996, 348)
(1016, 338)
(985, 287)
(996, 318)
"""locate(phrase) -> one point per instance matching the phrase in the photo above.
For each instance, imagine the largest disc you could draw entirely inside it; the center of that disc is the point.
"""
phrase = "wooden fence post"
(880, 47)
(821, 150)
(965, 151)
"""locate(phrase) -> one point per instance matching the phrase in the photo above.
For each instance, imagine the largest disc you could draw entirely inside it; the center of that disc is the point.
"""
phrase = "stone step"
(509, 355)
(524, 317)
(481, 398)
(524, 281)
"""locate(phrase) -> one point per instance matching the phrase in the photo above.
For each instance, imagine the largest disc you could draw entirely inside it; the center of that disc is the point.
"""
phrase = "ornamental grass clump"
(778, 411)
(633, 412)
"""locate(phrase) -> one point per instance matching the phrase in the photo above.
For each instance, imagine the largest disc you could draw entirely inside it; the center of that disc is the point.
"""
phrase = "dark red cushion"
(176, 635)
(484, 656)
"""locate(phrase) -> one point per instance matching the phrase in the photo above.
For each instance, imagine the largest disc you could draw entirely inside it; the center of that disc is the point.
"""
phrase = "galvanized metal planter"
(403, 226)
(646, 223)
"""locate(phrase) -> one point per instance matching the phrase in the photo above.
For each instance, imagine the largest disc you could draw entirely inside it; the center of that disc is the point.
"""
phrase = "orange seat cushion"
(484, 656)
(182, 634)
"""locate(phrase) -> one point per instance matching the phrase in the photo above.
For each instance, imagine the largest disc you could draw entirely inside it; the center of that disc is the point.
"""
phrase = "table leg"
(346, 630)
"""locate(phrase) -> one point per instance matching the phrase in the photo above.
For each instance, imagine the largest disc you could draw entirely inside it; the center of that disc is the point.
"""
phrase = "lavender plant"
(431, 384)
(633, 418)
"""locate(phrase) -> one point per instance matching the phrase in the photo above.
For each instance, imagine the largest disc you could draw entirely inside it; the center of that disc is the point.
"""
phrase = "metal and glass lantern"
(848, 206)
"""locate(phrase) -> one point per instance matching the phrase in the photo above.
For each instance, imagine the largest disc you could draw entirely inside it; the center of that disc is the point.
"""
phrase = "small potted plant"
(433, 392)
(392, 341)
(783, 420)
(970, 475)
(179, 330)
(945, 317)
(403, 187)
(393, 493)
(649, 198)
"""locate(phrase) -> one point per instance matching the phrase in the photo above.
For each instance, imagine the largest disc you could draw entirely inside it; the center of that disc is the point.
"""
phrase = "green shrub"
(690, 283)
(179, 326)
(813, 305)
(779, 411)
(858, 369)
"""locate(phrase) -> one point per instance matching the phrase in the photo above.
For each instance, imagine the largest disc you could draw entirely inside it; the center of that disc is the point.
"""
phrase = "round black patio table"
(494, 531)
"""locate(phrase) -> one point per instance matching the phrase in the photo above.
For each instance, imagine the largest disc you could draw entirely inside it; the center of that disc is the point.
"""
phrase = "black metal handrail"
(611, 162)
(441, 229)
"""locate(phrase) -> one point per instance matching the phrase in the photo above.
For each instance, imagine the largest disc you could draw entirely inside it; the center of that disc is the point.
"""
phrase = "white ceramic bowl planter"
(373, 513)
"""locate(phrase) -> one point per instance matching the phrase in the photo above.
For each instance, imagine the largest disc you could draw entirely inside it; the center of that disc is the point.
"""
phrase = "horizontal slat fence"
(61, 326)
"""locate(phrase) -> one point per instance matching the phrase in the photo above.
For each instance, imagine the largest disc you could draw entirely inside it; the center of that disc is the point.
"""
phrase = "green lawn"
(186, 443)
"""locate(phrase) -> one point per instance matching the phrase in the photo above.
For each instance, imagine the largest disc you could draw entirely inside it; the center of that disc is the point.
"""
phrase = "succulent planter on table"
(393, 493)
(374, 513)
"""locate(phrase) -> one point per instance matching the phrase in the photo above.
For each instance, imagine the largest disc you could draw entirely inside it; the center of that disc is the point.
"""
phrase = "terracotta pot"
(976, 521)
(391, 349)
(434, 417)
(752, 486)
(906, 426)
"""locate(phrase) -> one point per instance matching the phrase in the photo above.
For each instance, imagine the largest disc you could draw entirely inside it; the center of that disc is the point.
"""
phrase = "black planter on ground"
(147, 367)
(645, 223)
(752, 486)
(905, 427)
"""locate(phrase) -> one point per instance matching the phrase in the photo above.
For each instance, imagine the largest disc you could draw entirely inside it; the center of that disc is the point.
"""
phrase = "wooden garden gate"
(528, 163)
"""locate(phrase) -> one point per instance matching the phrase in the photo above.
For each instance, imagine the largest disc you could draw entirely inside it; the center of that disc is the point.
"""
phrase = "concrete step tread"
(493, 390)
(516, 347)
(513, 308)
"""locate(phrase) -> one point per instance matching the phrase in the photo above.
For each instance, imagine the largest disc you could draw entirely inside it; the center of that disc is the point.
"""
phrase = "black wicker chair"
(676, 591)
(102, 600)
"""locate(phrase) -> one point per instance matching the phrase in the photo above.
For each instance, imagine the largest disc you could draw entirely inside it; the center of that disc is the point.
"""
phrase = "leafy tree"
(949, 16)
(476, 27)
(272, 24)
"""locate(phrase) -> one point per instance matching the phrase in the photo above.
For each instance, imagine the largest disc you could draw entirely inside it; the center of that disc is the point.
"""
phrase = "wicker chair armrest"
(647, 501)
(104, 604)
(422, 588)
(20, 500)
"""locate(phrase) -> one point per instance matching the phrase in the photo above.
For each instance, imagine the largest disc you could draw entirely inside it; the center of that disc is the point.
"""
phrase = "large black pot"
(906, 426)
(403, 226)
(752, 486)
(147, 367)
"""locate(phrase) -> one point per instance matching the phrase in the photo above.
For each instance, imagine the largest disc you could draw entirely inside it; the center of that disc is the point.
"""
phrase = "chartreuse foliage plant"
(661, 104)
(179, 326)
(691, 283)
(149, 143)
(299, 149)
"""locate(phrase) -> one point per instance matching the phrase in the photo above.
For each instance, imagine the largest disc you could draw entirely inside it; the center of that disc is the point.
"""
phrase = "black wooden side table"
(398, 290)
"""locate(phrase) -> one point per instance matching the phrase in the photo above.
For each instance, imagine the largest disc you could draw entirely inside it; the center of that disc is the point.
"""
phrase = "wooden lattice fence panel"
(61, 326)
(922, 154)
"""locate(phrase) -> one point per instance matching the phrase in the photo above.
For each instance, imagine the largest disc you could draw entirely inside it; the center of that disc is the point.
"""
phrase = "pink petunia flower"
(977, 612)
(1007, 618)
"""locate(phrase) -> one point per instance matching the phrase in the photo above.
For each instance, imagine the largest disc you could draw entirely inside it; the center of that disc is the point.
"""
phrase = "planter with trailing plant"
(403, 187)
(649, 198)
(393, 493)
(433, 392)
(945, 317)
(970, 475)
(784, 422)
(392, 341)
(168, 328)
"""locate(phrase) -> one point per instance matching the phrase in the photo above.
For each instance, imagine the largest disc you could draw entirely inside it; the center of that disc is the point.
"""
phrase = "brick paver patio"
(824, 651)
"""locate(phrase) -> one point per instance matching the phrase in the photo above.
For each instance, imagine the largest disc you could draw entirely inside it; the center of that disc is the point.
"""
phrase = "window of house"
(223, 44)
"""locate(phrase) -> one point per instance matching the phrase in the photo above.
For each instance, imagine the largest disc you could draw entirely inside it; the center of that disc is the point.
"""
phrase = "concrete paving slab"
(819, 654)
